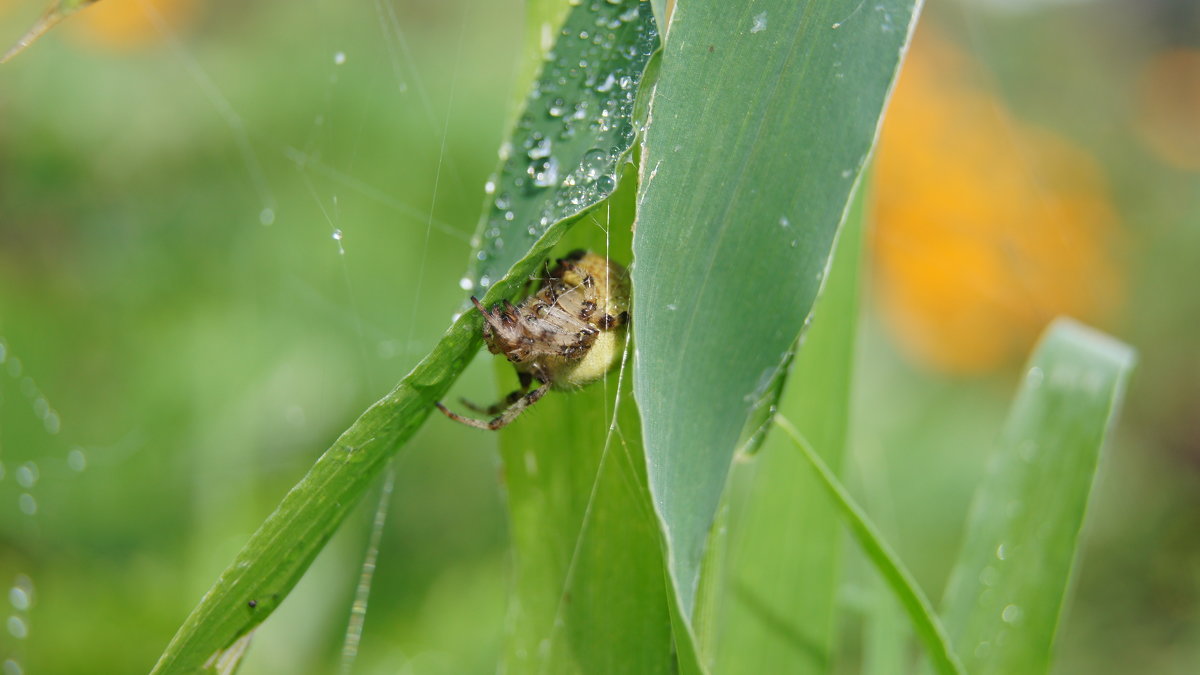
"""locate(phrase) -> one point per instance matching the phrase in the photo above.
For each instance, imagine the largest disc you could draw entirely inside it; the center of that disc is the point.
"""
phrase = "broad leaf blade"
(1008, 587)
(783, 568)
(761, 120)
(277, 555)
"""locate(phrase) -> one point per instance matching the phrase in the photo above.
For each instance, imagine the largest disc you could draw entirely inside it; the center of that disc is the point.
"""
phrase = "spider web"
(332, 178)
(346, 243)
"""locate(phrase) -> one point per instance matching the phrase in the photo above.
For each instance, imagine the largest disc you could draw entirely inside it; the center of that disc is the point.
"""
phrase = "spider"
(565, 336)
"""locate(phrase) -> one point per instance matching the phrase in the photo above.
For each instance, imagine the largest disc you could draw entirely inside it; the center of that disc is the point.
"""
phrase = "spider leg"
(495, 408)
(519, 407)
(506, 417)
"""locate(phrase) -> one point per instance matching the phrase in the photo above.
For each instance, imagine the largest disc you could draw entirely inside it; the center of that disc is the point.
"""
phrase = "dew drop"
(18, 598)
(489, 187)
(466, 284)
(339, 58)
(27, 504)
(544, 173)
(485, 281)
(27, 475)
(607, 85)
(540, 148)
(1001, 553)
(1011, 614)
(593, 163)
(606, 184)
(784, 222)
(77, 459)
(18, 628)
(760, 23)
(1035, 377)
(266, 216)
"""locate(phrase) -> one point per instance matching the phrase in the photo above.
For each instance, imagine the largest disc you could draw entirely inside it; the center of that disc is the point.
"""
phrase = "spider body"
(566, 335)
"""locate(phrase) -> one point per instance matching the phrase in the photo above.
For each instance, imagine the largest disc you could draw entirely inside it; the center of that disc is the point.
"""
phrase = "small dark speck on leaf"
(253, 604)
(710, 49)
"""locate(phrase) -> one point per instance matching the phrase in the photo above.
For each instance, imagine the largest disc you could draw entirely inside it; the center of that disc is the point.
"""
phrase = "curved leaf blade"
(759, 126)
(577, 127)
(1009, 584)
(920, 611)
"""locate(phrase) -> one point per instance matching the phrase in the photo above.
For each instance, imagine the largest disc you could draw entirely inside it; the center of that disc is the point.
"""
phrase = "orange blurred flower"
(985, 228)
(123, 24)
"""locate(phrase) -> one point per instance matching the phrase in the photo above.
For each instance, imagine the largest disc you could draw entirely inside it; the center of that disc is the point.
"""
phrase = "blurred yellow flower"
(984, 228)
(123, 24)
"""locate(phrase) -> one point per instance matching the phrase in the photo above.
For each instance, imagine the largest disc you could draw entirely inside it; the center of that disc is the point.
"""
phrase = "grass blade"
(1008, 587)
(902, 583)
(54, 14)
(762, 118)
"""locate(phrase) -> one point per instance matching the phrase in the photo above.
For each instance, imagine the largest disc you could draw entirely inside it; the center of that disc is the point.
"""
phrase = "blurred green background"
(225, 230)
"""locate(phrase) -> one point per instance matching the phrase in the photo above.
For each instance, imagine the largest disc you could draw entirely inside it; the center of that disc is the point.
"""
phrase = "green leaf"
(276, 556)
(760, 123)
(577, 127)
(898, 578)
(1008, 586)
(784, 544)
(55, 13)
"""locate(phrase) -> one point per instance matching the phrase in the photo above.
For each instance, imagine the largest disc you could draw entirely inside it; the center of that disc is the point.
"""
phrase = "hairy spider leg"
(506, 417)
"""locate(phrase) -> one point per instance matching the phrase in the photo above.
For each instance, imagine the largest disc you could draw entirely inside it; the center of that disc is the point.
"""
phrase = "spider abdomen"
(566, 334)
